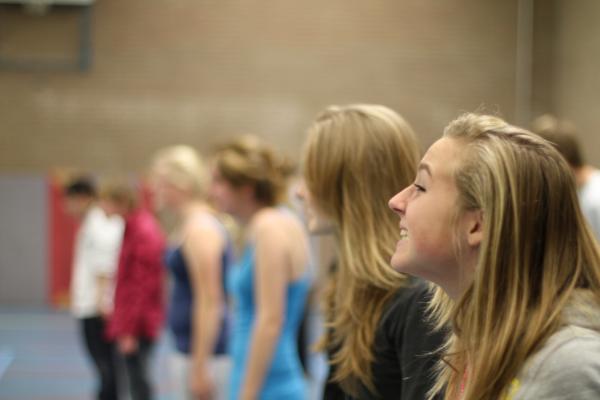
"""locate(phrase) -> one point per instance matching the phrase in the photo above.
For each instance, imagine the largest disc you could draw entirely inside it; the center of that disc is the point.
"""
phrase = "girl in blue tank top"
(269, 285)
(284, 379)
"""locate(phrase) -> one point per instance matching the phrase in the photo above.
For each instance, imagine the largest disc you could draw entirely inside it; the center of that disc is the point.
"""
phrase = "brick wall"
(198, 71)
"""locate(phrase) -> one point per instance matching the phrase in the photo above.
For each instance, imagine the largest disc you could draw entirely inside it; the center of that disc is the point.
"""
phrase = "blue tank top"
(284, 378)
(180, 305)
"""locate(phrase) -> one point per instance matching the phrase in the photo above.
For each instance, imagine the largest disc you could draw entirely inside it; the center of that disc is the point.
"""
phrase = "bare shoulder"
(282, 242)
(281, 228)
(202, 227)
(273, 220)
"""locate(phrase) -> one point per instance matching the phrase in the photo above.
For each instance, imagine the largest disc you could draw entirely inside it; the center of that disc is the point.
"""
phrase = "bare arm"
(271, 279)
(203, 251)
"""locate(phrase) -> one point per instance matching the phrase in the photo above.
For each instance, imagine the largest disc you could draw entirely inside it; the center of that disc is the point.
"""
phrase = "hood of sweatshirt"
(583, 310)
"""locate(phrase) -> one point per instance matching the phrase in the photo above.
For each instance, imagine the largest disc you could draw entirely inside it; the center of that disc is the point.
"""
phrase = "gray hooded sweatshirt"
(567, 367)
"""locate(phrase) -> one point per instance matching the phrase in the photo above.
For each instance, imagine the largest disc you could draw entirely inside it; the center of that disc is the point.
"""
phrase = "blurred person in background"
(138, 313)
(563, 135)
(197, 259)
(378, 339)
(95, 258)
(269, 284)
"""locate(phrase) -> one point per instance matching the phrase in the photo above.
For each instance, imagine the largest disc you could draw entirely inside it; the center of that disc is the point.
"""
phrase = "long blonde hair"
(536, 251)
(354, 157)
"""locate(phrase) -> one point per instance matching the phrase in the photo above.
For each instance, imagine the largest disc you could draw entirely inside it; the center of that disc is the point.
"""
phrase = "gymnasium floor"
(41, 358)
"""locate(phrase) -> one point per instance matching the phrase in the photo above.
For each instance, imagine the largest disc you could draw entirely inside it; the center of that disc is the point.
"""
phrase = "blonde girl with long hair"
(378, 340)
(493, 219)
(269, 283)
(197, 258)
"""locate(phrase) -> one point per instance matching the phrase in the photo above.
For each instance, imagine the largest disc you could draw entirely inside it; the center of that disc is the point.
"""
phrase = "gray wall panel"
(23, 244)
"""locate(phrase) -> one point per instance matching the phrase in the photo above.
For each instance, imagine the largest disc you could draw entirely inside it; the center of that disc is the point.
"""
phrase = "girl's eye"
(419, 187)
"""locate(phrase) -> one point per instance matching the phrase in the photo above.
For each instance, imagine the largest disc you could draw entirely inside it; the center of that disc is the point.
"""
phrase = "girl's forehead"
(442, 158)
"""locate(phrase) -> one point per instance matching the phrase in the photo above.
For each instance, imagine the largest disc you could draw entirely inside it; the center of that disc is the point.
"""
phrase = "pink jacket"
(139, 303)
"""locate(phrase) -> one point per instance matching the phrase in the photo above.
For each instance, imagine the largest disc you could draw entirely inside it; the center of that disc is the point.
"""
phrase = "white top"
(97, 247)
(589, 198)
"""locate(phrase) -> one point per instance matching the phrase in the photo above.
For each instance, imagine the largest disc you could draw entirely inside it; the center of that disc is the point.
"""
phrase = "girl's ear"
(474, 225)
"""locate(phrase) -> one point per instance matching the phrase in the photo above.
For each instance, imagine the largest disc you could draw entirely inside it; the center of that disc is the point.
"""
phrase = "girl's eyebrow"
(424, 166)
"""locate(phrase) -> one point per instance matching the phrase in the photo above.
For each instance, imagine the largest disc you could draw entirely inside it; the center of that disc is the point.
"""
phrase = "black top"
(332, 390)
(403, 366)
